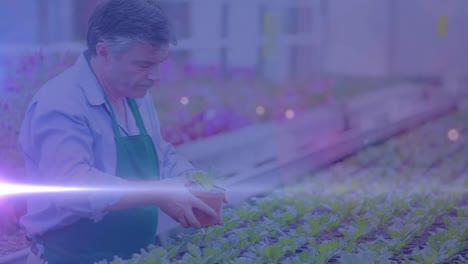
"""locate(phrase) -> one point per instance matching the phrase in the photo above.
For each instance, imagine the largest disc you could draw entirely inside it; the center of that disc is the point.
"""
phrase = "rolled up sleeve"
(62, 148)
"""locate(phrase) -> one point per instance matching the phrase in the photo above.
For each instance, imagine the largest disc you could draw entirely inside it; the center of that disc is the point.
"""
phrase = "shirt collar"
(88, 81)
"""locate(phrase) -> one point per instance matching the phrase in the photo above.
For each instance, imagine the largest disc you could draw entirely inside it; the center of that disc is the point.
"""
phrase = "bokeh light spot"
(184, 100)
(289, 114)
(260, 110)
(453, 134)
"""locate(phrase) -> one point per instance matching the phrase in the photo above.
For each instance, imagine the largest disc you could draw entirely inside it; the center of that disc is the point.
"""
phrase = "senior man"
(95, 125)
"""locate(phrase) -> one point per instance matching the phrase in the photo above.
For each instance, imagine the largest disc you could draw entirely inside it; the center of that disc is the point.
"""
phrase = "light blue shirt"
(67, 139)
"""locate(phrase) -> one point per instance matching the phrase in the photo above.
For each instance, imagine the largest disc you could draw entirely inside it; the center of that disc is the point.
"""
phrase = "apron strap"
(131, 102)
(137, 116)
(115, 125)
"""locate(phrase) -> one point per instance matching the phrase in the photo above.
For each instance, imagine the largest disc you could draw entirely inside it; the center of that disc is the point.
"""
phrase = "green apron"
(120, 233)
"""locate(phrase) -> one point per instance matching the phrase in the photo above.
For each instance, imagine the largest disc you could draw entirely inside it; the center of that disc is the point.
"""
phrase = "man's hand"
(178, 203)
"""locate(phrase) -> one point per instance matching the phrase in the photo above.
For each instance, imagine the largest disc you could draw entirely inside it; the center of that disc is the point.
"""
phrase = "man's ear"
(102, 51)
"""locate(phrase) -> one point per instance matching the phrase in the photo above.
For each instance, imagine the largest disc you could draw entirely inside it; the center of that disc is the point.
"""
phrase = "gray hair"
(120, 22)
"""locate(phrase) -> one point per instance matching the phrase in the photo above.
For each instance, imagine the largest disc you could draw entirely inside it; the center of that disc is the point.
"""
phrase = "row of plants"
(381, 205)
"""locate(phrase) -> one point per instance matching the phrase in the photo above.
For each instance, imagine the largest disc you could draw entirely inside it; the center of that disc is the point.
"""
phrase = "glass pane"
(19, 22)
(180, 58)
(291, 20)
(261, 62)
(261, 19)
(180, 16)
(83, 12)
(224, 61)
(298, 20)
(225, 20)
(305, 20)
(302, 62)
(293, 53)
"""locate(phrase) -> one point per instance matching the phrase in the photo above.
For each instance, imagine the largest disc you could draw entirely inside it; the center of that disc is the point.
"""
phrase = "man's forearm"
(137, 193)
(141, 193)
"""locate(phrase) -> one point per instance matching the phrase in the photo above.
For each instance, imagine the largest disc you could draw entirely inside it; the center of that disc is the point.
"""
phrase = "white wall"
(59, 23)
(21, 22)
(358, 37)
(396, 37)
(18, 22)
(243, 34)
(27, 22)
(206, 34)
(420, 48)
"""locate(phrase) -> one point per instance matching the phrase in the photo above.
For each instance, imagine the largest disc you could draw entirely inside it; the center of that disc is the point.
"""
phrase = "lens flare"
(15, 189)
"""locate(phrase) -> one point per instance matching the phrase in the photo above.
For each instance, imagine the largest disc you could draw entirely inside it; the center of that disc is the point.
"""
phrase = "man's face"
(136, 70)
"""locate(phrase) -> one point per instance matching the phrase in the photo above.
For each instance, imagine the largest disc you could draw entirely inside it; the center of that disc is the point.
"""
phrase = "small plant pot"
(215, 199)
